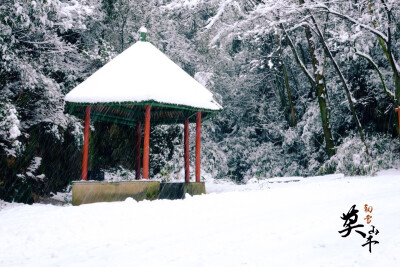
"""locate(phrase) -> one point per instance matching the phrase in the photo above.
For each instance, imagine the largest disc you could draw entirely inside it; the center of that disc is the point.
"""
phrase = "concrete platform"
(179, 190)
(84, 192)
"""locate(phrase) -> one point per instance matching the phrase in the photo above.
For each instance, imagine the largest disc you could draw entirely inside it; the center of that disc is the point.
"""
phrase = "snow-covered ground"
(279, 222)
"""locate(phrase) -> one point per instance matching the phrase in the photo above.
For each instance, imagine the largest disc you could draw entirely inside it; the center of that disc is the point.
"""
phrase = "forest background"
(308, 87)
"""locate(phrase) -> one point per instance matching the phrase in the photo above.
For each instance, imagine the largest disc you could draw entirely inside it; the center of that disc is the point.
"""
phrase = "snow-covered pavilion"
(142, 86)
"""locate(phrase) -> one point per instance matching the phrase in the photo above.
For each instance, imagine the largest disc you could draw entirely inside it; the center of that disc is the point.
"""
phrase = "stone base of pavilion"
(179, 190)
(85, 192)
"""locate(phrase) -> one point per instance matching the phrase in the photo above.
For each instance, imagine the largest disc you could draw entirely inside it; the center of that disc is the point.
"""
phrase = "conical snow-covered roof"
(143, 74)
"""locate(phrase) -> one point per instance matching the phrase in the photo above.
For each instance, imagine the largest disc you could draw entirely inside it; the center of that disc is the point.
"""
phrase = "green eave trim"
(138, 113)
(144, 103)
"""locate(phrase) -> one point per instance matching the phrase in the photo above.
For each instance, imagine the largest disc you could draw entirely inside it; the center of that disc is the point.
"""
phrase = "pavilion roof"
(141, 75)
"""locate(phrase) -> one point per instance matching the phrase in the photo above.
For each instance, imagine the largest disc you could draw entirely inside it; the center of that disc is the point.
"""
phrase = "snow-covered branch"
(324, 8)
(298, 60)
(220, 11)
(370, 60)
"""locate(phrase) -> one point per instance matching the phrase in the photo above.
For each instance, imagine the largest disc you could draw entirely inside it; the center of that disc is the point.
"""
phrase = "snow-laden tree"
(42, 57)
(308, 35)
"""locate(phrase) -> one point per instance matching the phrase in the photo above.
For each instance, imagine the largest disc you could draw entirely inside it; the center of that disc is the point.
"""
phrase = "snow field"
(281, 224)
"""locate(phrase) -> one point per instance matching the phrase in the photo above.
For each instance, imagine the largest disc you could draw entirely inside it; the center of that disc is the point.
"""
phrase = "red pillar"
(86, 144)
(146, 141)
(398, 113)
(198, 144)
(138, 147)
(186, 151)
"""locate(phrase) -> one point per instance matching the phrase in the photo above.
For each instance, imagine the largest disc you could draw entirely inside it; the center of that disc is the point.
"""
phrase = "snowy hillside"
(282, 222)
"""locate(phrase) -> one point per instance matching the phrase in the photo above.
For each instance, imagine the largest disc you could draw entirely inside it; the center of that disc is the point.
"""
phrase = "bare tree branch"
(370, 60)
(296, 56)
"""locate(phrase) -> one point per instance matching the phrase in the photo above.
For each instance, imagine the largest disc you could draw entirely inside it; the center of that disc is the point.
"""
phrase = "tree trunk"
(321, 93)
(330, 147)
(281, 93)
(346, 88)
(286, 78)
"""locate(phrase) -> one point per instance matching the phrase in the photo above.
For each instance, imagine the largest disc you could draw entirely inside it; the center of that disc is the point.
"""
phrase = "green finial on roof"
(143, 32)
